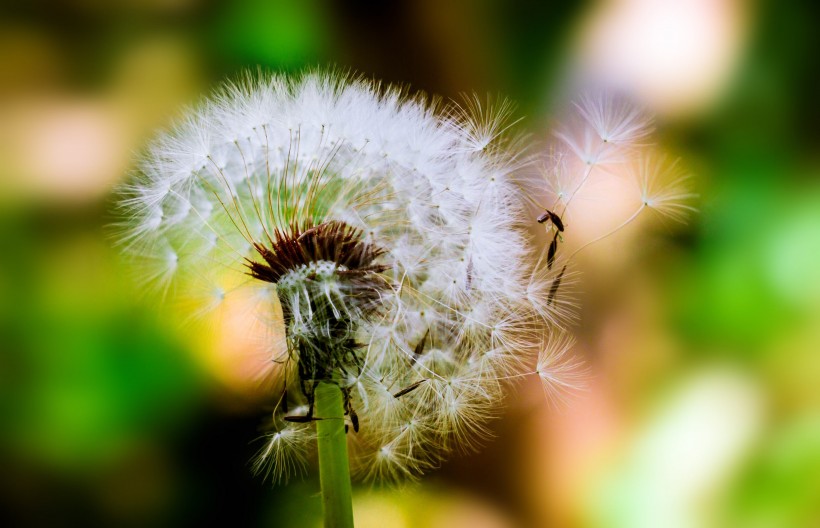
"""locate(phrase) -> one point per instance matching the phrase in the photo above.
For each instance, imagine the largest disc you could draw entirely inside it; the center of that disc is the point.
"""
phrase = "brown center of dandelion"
(300, 245)
(328, 283)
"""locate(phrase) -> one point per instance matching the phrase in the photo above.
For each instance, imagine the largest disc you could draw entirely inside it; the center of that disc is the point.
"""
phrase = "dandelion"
(389, 234)
(389, 230)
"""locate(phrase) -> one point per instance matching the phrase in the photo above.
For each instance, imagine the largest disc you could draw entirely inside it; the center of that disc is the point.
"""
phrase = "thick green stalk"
(334, 468)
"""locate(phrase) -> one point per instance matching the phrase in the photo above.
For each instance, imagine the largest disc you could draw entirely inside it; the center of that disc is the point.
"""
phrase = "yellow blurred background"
(701, 405)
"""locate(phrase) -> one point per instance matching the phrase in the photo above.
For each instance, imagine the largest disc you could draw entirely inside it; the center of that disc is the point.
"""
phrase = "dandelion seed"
(614, 119)
(561, 375)
(662, 186)
(284, 453)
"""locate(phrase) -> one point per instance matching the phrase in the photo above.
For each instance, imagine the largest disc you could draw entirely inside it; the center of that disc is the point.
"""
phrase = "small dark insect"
(411, 388)
(552, 217)
(555, 285)
(553, 249)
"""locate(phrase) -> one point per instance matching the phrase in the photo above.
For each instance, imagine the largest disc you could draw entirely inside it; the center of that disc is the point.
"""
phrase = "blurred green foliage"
(87, 370)
(781, 485)
(274, 34)
(103, 407)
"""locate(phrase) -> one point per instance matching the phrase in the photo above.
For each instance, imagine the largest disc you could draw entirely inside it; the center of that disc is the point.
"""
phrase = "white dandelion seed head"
(391, 232)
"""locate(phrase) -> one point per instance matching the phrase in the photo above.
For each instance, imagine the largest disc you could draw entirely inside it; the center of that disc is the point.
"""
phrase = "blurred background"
(701, 405)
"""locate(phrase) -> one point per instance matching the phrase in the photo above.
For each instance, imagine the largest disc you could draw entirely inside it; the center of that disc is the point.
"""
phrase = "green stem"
(334, 470)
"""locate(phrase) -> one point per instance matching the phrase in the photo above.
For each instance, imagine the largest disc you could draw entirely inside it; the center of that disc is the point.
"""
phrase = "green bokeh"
(94, 375)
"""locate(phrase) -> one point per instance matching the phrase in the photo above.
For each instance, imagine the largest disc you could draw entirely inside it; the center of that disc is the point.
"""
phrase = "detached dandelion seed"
(613, 119)
(560, 374)
(662, 184)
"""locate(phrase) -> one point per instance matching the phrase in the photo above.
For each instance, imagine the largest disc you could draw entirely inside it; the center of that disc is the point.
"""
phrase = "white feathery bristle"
(284, 453)
(561, 374)
(390, 461)
(662, 184)
(614, 119)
